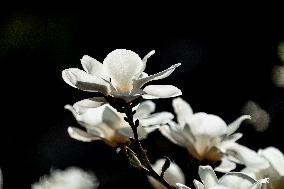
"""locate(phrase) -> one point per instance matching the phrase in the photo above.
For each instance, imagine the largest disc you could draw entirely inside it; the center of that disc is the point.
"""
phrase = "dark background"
(227, 57)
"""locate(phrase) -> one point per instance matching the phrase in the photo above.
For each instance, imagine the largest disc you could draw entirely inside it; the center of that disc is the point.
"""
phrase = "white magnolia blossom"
(207, 136)
(275, 171)
(233, 180)
(105, 123)
(120, 75)
(172, 175)
(71, 178)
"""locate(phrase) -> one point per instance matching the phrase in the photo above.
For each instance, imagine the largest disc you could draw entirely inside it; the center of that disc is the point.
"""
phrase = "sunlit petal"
(122, 65)
(138, 83)
(161, 91)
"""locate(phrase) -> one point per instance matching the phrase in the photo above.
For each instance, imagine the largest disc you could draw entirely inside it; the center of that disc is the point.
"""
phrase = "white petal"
(197, 184)
(90, 117)
(151, 128)
(246, 156)
(81, 135)
(232, 127)
(207, 124)
(182, 110)
(275, 158)
(259, 183)
(236, 180)
(172, 175)
(161, 91)
(79, 79)
(207, 176)
(145, 59)
(83, 105)
(112, 117)
(226, 165)
(122, 66)
(232, 138)
(174, 135)
(145, 109)
(156, 119)
(181, 186)
(138, 83)
(93, 67)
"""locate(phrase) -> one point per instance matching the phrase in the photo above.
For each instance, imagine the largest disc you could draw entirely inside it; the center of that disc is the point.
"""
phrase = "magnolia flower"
(207, 136)
(120, 75)
(105, 123)
(233, 180)
(172, 175)
(275, 171)
(71, 178)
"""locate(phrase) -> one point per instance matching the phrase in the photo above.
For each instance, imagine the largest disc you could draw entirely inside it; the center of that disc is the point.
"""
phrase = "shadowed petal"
(83, 105)
(145, 109)
(207, 176)
(172, 175)
(156, 119)
(161, 91)
(246, 156)
(236, 180)
(81, 135)
(79, 79)
(275, 158)
(93, 67)
(182, 110)
(226, 165)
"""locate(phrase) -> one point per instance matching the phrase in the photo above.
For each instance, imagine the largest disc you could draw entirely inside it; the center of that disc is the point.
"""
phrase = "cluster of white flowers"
(205, 136)
(71, 178)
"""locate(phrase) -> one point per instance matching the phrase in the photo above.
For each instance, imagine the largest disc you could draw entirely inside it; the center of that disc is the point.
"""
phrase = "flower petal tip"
(68, 107)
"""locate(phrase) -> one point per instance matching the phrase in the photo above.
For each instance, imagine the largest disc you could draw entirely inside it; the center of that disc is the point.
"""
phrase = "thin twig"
(142, 153)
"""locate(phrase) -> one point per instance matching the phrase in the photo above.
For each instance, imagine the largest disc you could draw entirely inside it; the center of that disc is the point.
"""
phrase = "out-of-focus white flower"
(120, 75)
(260, 119)
(275, 171)
(71, 178)
(172, 175)
(206, 136)
(278, 76)
(105, 123)
(233, 180)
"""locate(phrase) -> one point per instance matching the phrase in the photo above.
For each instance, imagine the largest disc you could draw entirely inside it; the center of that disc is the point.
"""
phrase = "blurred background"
(228, 59)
